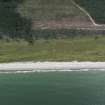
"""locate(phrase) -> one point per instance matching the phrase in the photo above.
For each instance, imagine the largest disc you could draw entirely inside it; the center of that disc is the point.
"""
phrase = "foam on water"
(27, 67)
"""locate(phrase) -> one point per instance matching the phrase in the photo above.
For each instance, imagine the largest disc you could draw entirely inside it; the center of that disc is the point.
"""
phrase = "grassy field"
(81, 49)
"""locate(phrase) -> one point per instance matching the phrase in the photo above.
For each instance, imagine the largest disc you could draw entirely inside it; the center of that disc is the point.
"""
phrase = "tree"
(12, 23)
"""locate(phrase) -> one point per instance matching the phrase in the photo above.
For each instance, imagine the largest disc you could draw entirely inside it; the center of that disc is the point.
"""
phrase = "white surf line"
(51, 66)
(83, 10)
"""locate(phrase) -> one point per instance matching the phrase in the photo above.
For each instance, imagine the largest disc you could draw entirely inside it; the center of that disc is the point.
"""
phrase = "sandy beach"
(51, 66)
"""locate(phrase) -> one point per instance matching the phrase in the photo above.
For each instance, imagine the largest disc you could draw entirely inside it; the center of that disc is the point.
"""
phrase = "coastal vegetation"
(50, 30)
(78, 48)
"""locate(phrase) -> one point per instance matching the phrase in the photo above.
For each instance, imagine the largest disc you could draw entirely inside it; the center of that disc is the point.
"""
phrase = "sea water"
(67, 87)
(52, 83)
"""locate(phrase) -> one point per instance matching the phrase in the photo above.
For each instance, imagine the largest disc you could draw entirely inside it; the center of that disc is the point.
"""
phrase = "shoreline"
(24, 67)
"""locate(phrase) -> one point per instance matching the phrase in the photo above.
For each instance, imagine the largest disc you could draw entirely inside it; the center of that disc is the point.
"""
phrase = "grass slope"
(50, 10)
(81, 49)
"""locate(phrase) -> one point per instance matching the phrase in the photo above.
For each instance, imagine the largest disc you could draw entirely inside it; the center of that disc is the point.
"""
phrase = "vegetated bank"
(35, 19)
(78, 48)
(19, 18)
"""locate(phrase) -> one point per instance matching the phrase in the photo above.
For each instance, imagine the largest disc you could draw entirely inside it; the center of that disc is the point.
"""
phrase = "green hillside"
(17, 16)
(50, 9)
(96, 8)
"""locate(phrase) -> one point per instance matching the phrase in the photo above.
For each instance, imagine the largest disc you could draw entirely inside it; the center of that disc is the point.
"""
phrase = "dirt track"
(67, 24)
